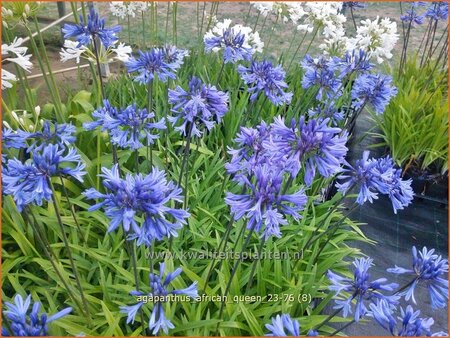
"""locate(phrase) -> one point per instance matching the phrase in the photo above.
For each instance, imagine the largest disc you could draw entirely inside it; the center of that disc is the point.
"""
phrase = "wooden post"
(61, 12)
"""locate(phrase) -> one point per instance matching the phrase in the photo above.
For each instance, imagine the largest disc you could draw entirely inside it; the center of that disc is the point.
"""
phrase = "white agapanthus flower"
(286, 10)
(16, 53)
(71, 51)
(377, 38)
(122, 9)
(322, 15)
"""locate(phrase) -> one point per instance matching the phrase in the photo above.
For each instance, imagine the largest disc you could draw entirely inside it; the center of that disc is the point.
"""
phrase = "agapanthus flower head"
(428, 269)
(150, 64)
(15, 53)
(312, 144)
(411, 325)
(28, 182)
(250, 152)
(116, 51)
(355, 61)
(140, 204)
(375, 90)
(61, 134)
(322, 14)
(201, 106)
(437, 10)
(159, 287)
(283, 323)
(85, 32)
(376, 37)
(24, 324)
(265, 203)
(101, 116)
(360, 288)
(238, 42)
(320, 72)
(127, 127)
(263, 77)
(373, 176)
(411, 16)
(286, 10)
(173, 56)
(14, 138)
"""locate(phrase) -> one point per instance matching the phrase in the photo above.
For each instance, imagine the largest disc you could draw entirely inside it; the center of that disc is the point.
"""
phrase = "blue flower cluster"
(159, 290)
(28, 182)
(375, 90)
(22, 324)
(320, 73)
(200, 106)
(263, 77)
(127, 127)
(160, 62)
(93, 28)
(437, 10)
(266, 154)
(311, 144)
(360, 288)
(411, 325)
(429, 269)
(143, 199)
(283, 323)
(373, 176)
(411, 16)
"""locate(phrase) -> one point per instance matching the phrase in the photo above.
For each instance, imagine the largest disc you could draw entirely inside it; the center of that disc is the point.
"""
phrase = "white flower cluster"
(287, 10)
(324, 15)
(377, 38)
(252, 39)
(70, 51)
(17, 54)
(122, 9)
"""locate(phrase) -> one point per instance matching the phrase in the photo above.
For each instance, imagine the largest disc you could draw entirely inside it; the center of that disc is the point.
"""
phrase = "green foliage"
(415, 124)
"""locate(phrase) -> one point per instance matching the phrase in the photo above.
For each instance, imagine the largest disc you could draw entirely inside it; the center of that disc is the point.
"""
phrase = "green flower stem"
(297, 50)
(342, 328)
(131, 253)
(69, 251)
(150, 108)
(49, 253)
(72, 209)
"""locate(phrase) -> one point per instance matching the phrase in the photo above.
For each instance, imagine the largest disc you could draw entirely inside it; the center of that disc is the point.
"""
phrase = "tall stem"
(233, 272)
(72, 209)
(297, 50)
(254, 264)
(150, 109)
(69, 251)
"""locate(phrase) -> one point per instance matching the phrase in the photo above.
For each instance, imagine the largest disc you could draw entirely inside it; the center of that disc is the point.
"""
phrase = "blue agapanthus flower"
(127, 127)
(411, 15)
(311, 144)
(360, 288)
(355, 61)
(140, 204)
(265, 203)
(321, 72)
(159, 290)
(28, 182)
(328, 111)
(411, 325)
(283, 323)
(61, 134)
(431, 270)
(95, 27)
(437, 10)
(173, 56)
(20, 323)
(375, 90)
(150, 64)
(263, 77)
(250, 152)
(200, 106)
(14, 138)
(373, 176)
(232, 41)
